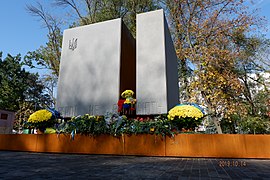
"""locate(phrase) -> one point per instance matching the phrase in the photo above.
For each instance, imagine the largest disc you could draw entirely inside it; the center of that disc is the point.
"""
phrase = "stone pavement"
(25, 165)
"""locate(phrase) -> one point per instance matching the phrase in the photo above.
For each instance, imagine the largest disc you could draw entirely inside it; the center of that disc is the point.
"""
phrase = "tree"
(204, 33)
(88, 12)
(252, 72)
(48, 56)
(19, 88)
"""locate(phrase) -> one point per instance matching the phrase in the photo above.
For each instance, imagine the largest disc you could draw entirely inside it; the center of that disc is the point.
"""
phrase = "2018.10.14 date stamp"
(232, 163)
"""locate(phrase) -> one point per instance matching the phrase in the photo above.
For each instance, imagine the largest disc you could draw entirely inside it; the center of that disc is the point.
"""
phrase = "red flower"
(120, 104)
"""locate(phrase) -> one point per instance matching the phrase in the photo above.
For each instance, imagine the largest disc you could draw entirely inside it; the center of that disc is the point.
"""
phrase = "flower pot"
(40, 131)
(26, 131)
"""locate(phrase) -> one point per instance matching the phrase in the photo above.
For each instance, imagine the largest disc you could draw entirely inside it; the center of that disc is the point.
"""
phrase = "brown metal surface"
(182, 145)
(128, 61)
(16, 142)
(145, 144)
(63, 143)
(219, 145)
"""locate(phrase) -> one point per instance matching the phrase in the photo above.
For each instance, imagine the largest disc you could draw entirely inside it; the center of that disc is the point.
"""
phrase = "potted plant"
(186, 117)
(42, 119)
(27, 127)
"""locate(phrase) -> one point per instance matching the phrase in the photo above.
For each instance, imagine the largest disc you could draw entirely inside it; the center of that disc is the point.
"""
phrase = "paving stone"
(25, 165)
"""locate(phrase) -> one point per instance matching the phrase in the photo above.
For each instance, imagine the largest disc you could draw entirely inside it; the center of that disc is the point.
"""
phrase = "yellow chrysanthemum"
(127, 93)
(40, 116)
(185, 111)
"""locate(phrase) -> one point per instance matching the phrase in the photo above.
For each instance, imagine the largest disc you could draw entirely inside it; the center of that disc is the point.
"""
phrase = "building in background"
(6, 121)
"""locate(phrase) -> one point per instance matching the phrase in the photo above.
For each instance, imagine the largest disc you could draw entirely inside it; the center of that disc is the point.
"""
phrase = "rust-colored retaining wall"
(182, 145)
(219, 145)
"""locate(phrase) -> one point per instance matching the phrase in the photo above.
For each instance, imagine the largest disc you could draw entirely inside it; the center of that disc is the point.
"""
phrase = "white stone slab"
(157, 82)
(90, 69)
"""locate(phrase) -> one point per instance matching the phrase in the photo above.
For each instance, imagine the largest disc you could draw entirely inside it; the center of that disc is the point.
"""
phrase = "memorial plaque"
(97, 64)
(157, 77)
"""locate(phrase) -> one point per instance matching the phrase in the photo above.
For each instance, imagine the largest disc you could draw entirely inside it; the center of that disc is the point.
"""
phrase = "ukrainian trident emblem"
(72, 44)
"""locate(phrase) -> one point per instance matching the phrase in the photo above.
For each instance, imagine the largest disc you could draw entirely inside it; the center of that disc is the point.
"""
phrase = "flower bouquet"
(42, 119)
(126, 105)
(186, 117)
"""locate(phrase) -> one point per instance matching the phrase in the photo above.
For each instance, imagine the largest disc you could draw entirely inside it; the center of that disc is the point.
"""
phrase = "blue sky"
(21, 32)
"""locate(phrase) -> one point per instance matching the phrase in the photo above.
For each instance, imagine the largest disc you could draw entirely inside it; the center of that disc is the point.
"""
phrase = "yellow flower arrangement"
(42, 119)
(185, 111)
(40, 116)
(127, 106)
(127, 94)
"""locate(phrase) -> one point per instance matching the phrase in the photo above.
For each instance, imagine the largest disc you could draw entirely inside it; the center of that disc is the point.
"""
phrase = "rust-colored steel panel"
(219, 145)
(182, 145)
(18, 142)
(145, 145)
(102, 144)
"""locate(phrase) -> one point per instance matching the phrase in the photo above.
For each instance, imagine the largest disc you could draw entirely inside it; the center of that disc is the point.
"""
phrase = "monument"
(101, 60)
(97, 64)
(157, 76)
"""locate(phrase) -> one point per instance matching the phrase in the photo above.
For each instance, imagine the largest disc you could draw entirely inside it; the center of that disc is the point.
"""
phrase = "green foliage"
(20, 91)
(161, 125)
(255, 125)
(158, 125)
(86, 124)
(261, 103)
(229, 125)
(249, 124)
(186, 123)
(116, 125)
(18, 86)
(27, 125)
(50, 131)
(12, 83)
